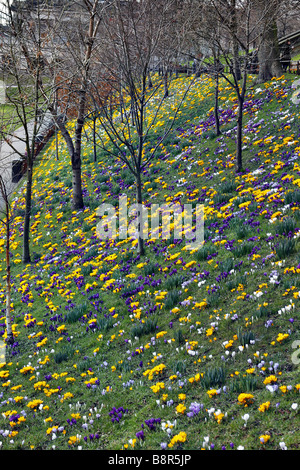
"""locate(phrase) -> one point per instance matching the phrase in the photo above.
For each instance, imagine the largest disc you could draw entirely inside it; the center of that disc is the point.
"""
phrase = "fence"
(295, 67)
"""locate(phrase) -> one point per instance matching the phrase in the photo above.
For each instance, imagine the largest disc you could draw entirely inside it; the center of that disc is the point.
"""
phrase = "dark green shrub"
(244, 384)
(292, 197)
(286, 226)
(124, 366)
(92, 253)
(76, 313)
(221, 199)
(105, 323)
(227, 187)
(86, 270)
(213, 299)
(174, 281)
(172, 299)
(285, 248)
(243, 231)
(149, 326)
(214, 377)
(245, 338)
(64, 354)
(203, 253)
(227, 265)
(88, 363)
(150, 268)
(102, 179)
(240, 200)
(244, 249)
(179, 337)
(179, 366)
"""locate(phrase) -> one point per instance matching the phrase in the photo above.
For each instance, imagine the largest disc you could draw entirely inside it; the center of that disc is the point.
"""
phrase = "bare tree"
(288, 17)
(133, 50)
(25, 99)
(227, 29)
(5, 220)
(268, 50)
(70, 78)
(63, 39)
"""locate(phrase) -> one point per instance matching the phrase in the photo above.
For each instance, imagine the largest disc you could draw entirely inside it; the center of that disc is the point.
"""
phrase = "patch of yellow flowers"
(178, 438)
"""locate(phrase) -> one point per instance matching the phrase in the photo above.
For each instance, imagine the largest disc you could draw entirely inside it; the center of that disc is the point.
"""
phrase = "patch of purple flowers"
(195, 409)
(152, 422)
(117, 414)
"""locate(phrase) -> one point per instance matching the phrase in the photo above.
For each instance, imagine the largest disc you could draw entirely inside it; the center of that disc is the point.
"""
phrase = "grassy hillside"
(180, 349)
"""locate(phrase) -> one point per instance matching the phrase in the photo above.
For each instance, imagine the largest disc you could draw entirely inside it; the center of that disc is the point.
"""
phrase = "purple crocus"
(140, 435)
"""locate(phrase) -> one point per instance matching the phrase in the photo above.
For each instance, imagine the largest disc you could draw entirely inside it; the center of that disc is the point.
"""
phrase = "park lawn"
(172, 350)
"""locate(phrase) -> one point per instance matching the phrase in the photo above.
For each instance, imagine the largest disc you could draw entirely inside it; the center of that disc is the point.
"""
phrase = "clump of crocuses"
(117, 414)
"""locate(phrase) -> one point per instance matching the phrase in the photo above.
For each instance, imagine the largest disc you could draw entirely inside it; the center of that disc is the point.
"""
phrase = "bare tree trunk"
(10, 336)
(268, 51)
(239, 135)
(268, 55)
(235, 46)
(216, 110)
(56, 144)
(77, 202)
(6, 222)
(76, 167)
(239, 164)
(133, 54)
(94, 137)
(236, 61)
(139, 198)
(166, 87)
(150, 84)
(26, 229)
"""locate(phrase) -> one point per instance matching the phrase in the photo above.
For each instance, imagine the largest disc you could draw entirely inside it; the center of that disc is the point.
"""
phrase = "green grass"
(195, 320)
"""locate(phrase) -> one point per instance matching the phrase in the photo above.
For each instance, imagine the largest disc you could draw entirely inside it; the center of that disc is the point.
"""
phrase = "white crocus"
(245, 418)
(282, 446)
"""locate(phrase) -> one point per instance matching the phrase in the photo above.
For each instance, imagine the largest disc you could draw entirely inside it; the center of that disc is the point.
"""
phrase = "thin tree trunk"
(10, 336)
(75, 154)
(166, 87)
(76, 159)
(110, 107)
(9, 332)
(122, 109)
(236, 61)
(268, 55)
(77, 202)
(139, 198)
(132, 111)
(217, 119)
(235, 45)
(276, 65)
(239, 165)
(56, 143)
(26, 230)
(94, 138)
(239, 143)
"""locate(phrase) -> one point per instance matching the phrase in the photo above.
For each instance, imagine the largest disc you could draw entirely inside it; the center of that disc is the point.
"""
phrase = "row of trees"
(86, 59)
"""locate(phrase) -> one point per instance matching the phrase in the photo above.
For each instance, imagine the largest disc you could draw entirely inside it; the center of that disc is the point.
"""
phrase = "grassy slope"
(96, 327)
